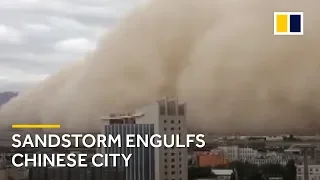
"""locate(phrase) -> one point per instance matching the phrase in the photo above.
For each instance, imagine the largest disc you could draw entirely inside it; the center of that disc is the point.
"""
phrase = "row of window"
(172, 160)
(172, 166)
(172, 129)
(171, 109)
(172, 172)
(172, 121)
(172, 154)
(310, 169)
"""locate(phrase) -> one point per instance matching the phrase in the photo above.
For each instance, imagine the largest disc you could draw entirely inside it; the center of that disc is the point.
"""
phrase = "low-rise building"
(235, 153)
(314, 172)
(209, 158)
(222, 174)
(267, 160)
(230, 152)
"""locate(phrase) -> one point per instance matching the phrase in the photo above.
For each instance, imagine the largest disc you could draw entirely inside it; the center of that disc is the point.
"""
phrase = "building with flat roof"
(222, 174)
(142, 162)
(313, 172)
(164, 117)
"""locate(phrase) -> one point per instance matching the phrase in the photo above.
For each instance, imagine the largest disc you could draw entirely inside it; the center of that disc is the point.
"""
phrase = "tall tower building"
(164, 117)
(141, 164)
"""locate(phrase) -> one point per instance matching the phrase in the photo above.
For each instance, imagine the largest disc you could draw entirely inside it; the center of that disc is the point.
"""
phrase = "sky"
(37, 37)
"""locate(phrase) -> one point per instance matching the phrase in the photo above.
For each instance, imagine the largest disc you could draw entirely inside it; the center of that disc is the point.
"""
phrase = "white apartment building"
(247, 153)
(230, 152)
(270, 158)
(222, 174)
(234, 153)
(169, 117)
(314, 172)
(164, 117)
(267, 160)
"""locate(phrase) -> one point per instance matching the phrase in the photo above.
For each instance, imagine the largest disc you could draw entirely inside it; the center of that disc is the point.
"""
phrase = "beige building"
(317, 155)
(167, 117)
(235, 153)
(314, 172)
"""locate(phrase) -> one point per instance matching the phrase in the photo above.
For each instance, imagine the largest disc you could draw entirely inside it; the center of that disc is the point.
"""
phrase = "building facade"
(230, 152)
(314, 172)
(317, 155)
(164, 117)
(210, 158)
(235, 153)
(141, 164)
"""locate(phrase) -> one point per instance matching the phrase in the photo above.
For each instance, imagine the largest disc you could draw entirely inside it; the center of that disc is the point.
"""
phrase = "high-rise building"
(164, 117)
(141, 164)
(317, 155)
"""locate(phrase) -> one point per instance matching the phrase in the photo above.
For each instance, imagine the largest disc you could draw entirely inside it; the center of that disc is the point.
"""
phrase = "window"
(162, 107)
(181, 109)
(172, 121)
(171, 107)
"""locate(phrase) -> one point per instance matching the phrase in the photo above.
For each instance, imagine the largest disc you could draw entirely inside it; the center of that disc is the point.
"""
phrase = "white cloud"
(39, 36)
(66, 23)
(38, 27)
(9, 34)
(94, 8)
(15, 75)
(33, 4)
(39, 59)
(76, 45)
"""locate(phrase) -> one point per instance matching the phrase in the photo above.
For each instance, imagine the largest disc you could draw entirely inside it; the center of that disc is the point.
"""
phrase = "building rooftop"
(299, 147)
(222, 172)
(121, 116)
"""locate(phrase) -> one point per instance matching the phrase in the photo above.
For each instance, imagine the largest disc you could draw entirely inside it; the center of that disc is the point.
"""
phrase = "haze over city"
(219, 56)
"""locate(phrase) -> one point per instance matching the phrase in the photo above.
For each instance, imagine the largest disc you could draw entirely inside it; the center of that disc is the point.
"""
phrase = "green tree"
(272, 170)
(245, 170)
(199, 172)
(233, 176)
(290, 170)
(257, 175)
